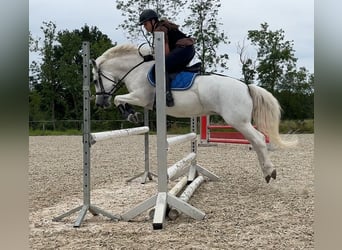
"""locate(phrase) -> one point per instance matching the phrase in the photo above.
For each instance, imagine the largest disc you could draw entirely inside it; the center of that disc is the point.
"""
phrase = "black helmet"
(147, 15)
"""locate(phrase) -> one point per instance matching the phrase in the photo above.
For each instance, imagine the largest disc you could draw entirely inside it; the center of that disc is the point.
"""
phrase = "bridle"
(118, 84)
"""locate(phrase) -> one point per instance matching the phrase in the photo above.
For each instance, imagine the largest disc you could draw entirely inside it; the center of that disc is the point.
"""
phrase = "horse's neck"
(122, 64)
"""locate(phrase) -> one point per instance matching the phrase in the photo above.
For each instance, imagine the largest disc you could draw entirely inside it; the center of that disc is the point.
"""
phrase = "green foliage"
(54, 132)
(274, 56)
(45, 74)
(276, 71)
(131, 10)
(297, 126)
(204, 26)
(296, 105)
(178, 129)
(56, 81)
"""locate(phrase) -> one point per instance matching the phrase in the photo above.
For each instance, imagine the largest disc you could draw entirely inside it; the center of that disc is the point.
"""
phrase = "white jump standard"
(164, 198)
(90, 139)
(87, 206)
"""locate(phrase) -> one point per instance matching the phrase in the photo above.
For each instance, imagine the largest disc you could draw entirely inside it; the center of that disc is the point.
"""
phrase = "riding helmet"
(147, 15)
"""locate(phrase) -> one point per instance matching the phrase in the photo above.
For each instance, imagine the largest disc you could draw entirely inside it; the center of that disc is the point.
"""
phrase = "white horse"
(235, 101)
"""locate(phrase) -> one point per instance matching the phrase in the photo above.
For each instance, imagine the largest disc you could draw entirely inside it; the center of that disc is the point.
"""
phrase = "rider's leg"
(175, 61)
(169, 97)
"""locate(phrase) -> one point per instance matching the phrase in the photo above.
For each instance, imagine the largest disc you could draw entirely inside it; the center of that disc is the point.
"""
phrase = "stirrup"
(169, 99)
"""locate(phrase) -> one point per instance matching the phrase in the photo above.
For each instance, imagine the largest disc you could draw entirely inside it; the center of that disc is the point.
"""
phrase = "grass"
(297, 126)
(52, 132)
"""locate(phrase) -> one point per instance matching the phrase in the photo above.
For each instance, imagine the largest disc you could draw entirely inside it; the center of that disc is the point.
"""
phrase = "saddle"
(181, 80)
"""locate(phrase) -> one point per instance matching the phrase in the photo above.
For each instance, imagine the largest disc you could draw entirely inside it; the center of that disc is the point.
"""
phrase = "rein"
(118, 84)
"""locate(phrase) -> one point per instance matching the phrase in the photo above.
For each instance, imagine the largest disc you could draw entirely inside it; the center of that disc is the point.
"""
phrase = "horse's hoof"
(268, 178)
(139, 117)
(273, 175)
(132, 118)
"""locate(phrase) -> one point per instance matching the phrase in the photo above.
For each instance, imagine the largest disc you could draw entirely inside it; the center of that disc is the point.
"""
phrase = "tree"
(298, 81)
(274, 56)
(45, 73)
(297, 94)
(275, 69)
(204, 26)
(70, 63)
(248, 65)
(56, 81)
(131, 9)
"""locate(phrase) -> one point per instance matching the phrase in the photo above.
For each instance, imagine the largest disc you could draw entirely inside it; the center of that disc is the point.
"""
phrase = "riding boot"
(169, 97)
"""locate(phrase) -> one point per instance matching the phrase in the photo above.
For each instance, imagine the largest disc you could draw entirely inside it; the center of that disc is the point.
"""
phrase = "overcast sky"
(295, 17)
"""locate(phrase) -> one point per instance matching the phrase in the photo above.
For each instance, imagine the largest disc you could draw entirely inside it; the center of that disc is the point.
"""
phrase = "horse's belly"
(187, 104)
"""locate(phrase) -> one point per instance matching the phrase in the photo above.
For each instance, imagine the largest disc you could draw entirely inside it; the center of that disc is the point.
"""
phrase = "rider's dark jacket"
(181, 46)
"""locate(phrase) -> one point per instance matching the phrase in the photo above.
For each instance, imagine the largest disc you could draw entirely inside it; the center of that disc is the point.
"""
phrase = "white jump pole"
(87, 206)
(186, 195)
(180, 167)
(181, 138)
(101, 136)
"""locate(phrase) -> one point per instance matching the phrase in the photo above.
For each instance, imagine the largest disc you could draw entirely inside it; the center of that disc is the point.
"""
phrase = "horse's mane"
(117, 51)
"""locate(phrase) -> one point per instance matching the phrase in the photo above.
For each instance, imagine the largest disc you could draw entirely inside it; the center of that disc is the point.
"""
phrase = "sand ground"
(242, 210)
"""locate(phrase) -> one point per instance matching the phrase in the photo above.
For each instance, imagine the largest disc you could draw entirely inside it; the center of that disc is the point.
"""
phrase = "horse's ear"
(93, 62)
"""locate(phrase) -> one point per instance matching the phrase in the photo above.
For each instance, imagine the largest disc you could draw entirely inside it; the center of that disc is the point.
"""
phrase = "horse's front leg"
(129, 114)
(126, 110)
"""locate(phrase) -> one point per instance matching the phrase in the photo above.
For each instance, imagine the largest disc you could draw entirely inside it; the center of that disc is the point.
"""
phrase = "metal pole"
(193, 169)
(86, 124)
(86, 149)
(160, 103)
(146, 174)
(161, 205)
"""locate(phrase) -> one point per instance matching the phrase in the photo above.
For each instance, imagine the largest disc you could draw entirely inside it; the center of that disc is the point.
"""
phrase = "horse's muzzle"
(103, 101)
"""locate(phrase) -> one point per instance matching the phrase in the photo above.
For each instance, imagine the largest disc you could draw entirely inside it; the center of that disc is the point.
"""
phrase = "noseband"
(118, 84)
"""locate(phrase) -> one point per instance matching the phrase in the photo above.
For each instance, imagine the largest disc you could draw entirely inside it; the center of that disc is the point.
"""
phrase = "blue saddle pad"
(181, 81)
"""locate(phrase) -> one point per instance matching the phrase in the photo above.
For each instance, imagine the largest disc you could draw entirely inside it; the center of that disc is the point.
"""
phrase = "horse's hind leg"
(257, 139)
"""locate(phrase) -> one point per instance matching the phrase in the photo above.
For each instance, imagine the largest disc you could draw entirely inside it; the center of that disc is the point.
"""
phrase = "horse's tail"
(266, 115)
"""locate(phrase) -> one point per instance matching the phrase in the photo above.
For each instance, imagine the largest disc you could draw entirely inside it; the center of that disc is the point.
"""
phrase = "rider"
(179, 48)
